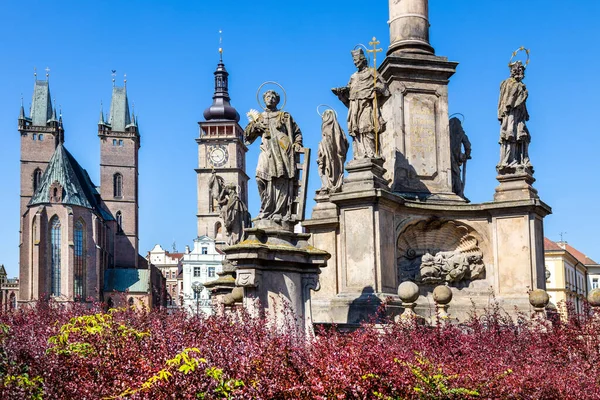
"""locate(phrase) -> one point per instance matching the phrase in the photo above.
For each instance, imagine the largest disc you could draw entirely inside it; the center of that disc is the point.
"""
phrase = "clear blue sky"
(168, 49)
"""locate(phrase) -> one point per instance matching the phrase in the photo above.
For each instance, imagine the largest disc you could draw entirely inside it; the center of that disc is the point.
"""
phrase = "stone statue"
(332, 153)
(276, 171)
(359, 96)
(232, 209)
(512, 114)
(458, 141)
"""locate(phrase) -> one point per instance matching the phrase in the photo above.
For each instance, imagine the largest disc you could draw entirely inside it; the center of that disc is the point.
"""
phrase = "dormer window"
(56, 192)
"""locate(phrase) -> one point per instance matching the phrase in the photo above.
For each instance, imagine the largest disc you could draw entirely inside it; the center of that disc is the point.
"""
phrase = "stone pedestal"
(515, 187)
(277, 270)
(225, 296)
(416, 140)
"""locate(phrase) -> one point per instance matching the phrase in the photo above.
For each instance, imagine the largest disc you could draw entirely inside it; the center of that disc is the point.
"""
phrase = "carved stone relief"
(435, 251)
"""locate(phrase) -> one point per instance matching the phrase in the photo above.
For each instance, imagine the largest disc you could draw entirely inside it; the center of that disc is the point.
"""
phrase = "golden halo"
(328, 106)
(273, 83)
(514, 54)
(367, 54)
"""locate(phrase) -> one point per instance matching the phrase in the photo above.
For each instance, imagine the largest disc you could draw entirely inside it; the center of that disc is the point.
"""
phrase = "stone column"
(409, 26)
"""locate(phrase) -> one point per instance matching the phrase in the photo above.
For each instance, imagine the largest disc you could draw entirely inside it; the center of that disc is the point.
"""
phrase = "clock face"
(218, 155)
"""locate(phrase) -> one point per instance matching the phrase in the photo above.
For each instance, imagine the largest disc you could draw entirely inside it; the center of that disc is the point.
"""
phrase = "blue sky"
(168, 49)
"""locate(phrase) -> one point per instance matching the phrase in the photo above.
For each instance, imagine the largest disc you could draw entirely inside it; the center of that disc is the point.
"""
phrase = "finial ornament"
(113, 74)
(514, 54)
(47, 72)
(35, 73)
(125, 80)
(221, 44)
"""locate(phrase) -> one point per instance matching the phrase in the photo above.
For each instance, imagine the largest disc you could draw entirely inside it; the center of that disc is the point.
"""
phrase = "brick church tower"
(119, 145)
(41, 133)
(220, 149)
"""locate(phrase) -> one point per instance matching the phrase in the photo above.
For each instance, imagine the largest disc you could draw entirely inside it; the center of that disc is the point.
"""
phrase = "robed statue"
(232, 209)
(276, 170)
(512, 114)
(460, 152)
(364, 116)
(331, 155)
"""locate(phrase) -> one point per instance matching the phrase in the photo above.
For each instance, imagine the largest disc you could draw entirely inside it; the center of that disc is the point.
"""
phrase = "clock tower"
(220, 149)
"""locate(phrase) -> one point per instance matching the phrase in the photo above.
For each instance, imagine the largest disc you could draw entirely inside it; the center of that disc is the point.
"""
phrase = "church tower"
(220, 149)
(119, 145)
(41, 133)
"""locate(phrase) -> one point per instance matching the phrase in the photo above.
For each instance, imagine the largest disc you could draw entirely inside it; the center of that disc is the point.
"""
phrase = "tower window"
(37, 177)
(118, 185)
(120, 143)
(55, 255)
(79, 261)
(41, 137)
(34, 137)
(114, 142)
(119, 221)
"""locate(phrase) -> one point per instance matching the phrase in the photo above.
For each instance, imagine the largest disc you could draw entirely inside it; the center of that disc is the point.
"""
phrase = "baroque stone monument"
(275, 267)
(401, 214)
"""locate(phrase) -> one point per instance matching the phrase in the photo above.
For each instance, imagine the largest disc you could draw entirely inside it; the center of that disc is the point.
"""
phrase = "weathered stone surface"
(539, 298)
(331, 155)
(442, 295)
(594, 298)
(278, 269)
(408, 292)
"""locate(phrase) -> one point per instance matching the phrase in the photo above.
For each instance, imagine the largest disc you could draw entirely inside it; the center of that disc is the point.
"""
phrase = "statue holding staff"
(361, 97)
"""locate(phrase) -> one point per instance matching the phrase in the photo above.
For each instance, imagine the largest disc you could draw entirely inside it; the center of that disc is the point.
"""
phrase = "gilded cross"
(374, 42)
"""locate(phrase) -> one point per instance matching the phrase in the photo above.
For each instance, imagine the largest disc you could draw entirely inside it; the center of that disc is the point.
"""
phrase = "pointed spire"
(22, 110)
(119, 109)
(101, 120)
(41, 104)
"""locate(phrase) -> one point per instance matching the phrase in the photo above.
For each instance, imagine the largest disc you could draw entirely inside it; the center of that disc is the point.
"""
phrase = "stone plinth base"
(225, 296)
(364, 173)
(277, 270)
(515, 187)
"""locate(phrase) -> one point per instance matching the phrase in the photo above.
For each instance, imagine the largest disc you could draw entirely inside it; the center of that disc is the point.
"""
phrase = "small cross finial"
(113, 74)
(221, 44)
(125, 79)
(562, 236)
(21, 99)
(35, 73)
(47, 72)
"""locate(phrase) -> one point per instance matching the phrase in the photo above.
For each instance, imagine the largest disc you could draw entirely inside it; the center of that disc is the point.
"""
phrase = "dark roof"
(78, 189)
(221, 109)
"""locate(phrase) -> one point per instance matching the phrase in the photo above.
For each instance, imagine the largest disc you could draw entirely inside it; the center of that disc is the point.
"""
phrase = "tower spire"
(221, 109)
(101, 120)
(22, 110)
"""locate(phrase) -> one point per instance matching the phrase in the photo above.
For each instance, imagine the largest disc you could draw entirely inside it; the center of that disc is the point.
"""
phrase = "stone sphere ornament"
(408, 292)
(442, 295)
(539, 298)
(594, 298)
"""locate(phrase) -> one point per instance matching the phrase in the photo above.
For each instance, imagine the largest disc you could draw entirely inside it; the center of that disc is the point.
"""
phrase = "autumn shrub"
(77, 351)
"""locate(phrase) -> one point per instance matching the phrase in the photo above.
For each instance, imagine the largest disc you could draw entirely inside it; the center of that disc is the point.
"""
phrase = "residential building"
(200, 265)
(9, 291)
(169, 264)
(570, 274)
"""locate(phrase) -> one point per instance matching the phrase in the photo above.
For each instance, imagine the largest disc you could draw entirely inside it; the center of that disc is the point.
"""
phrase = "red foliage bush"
(75, 352)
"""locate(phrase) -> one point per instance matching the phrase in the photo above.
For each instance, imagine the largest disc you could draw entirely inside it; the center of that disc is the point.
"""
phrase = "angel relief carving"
(436, 251)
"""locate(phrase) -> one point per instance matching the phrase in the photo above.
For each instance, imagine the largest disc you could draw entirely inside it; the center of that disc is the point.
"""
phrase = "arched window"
(79, 261)
(37, 177)
(218, 230)
(119, 216)
(118, 185)
(55, 255)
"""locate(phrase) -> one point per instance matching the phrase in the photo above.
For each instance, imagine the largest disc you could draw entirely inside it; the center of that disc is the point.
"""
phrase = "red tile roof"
(582, 258)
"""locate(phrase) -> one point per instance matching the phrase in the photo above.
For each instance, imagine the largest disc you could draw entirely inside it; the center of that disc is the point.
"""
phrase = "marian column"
(416, 141)
(409, 26)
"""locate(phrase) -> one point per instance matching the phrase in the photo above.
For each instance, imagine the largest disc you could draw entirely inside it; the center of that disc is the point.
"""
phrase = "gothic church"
(78, 241)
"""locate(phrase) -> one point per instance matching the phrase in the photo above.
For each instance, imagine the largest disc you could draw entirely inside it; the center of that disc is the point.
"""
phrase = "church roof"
(2, 270)
(127, 279)
(77, 187)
